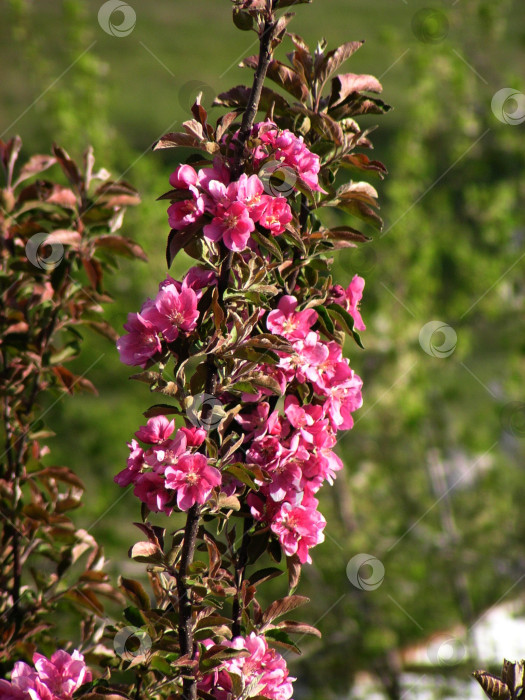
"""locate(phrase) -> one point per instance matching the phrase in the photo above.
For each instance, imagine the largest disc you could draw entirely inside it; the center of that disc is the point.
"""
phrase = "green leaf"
(242, 475)
(133, 615)
(346, 321)
(325, 319)
(280, 638)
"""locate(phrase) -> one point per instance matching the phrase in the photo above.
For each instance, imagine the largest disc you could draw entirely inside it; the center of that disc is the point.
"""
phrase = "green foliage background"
(434, 482)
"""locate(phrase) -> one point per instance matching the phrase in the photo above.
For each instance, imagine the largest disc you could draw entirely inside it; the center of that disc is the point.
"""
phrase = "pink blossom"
(141, 343)
(349, 299)
(182, 214)
(54, 679)
(285, 481)
(173, 311)
(183, 177)
(134, 466)
(194, 436)
(331, 370)
(232, 225)
(198, 278)
(218, 172)
(265, 451)
(254, 422)
(264, 671)
(193, 479)
(298, 528)
(156, 430)
(167, 453)
(290, 150)
(307, 419)
(249, 191)
(276, 214)
(321, 466)
(342, 400)
(150, 488)
(286, 321)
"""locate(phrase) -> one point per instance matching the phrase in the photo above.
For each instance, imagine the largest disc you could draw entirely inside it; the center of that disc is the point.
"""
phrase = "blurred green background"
(434, 486)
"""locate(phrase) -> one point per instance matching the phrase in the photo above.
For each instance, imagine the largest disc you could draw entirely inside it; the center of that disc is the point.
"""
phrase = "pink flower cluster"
(263, 671)
(287, 148)
(294, 451)
(172, 312)
(50, 679)
(168, 470)
(349, 299)
(228, 210)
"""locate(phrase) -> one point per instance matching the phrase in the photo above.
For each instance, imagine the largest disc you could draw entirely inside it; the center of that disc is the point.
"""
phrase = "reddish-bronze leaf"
(69, 380)
(334, 59)
(36, 164)
(294, 572)
(121, 245)
(69, 166)
(63, 236)
(360, 161)
(282, 606)
(347, 83)
(94, 271)
(298, 628)
(61, 474)
(493, 687)
(135, 592)
(283, 75)
(239, 95)
(146, 552)
(177, 240)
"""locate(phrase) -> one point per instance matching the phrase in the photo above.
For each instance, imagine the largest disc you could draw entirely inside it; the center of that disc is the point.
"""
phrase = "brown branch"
(192, 521)
(265, 56)
(240, 568)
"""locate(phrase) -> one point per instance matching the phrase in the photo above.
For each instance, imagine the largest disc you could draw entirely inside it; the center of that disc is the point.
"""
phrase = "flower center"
(231, 221)
(192, 478)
